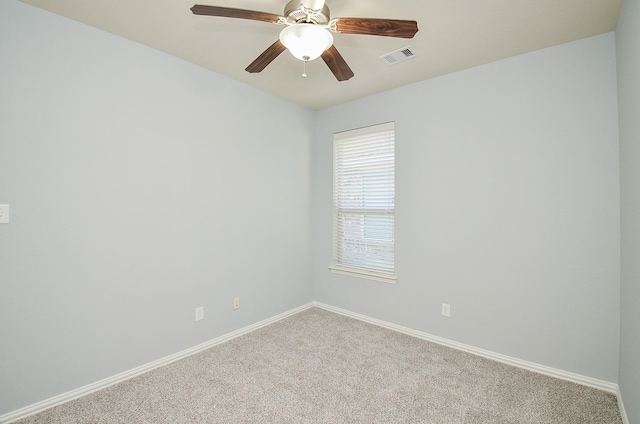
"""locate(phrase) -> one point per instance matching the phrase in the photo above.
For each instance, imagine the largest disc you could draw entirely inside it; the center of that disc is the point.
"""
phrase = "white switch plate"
(4, 214)
(236, 303)
(199, 313)
(446, 310)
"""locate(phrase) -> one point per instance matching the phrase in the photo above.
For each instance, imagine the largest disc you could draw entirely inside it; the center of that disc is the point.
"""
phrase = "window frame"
(380, 265)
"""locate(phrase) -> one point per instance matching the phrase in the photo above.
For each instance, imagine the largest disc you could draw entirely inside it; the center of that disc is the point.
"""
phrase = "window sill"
(384, 277)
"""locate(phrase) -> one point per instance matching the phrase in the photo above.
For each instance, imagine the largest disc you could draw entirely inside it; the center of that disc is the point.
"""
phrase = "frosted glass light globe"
(306, 41)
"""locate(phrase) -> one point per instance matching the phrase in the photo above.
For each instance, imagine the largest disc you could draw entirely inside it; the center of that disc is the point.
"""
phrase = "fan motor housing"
(294, 12)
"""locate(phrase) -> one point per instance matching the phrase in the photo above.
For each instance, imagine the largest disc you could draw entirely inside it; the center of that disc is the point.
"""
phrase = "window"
(364, 202)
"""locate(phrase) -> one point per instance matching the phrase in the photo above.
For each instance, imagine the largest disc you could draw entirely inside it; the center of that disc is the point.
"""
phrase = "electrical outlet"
(200, 313)
(446, 310)
(236, 303)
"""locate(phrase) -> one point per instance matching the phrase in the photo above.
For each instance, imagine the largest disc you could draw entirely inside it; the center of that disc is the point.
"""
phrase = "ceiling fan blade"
(228, 12)
(337, 64)
(372, 26)
(266, 57)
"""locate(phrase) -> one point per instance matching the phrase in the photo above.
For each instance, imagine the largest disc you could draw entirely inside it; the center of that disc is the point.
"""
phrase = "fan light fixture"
(306, 41)
(307, 34)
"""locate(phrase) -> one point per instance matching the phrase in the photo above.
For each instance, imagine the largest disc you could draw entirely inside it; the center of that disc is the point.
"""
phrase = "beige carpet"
(320, 367)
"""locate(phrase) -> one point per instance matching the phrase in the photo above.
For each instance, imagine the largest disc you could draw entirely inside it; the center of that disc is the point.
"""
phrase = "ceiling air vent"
(398, 56)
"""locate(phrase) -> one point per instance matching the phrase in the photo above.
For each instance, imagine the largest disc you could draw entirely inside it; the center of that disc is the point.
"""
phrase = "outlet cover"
(200, 313)
(446, 310)
(236, 303)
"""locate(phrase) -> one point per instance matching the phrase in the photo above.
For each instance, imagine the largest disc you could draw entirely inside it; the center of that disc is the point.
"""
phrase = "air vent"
(399, 55)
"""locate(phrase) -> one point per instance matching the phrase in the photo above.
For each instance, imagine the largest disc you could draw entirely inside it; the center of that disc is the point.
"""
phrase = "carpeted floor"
(321, 367)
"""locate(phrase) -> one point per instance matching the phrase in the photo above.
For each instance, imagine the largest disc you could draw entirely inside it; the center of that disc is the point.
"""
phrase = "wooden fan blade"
(372, 26)
(228, 12)
(266, 57)
(337, 64)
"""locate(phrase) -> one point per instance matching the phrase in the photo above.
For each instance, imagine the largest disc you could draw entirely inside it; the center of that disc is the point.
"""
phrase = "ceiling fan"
(307, 33)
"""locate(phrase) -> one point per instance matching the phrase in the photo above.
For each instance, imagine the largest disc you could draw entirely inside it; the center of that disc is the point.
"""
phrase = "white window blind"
(364, 202)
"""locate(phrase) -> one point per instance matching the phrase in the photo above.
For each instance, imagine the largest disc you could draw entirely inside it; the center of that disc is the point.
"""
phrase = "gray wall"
(507, 207)
(141, 187)
(628, 55)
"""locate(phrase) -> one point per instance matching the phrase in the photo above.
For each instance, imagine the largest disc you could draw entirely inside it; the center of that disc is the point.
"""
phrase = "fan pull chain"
(304, 66)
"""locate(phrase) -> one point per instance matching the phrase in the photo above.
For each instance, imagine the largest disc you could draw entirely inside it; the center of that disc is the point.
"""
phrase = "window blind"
(364, 202)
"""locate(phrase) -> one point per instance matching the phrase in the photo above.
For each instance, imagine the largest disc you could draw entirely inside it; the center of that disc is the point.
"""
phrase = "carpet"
(321, 367)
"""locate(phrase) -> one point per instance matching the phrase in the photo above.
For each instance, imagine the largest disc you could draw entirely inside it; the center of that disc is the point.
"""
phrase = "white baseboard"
(102, 384)
(99, 385)
(531, 366)
(623, 413)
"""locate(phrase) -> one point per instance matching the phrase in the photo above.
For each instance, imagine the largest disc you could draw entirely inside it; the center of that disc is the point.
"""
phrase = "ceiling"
(453, 35)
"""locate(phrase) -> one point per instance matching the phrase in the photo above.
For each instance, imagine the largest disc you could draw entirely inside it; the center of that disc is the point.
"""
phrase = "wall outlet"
(446, 310)
(236, 303)
(200, 313)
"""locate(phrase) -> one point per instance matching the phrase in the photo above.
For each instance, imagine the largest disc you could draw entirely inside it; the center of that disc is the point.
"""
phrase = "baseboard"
(531, 366)
(99, 385)
(102, 384)
(623, 412)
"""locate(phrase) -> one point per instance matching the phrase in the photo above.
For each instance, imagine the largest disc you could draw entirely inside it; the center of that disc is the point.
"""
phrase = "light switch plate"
(4, 214)
(199, 313)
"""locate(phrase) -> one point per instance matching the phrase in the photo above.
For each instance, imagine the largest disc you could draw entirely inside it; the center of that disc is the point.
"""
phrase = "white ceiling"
(453, 35)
